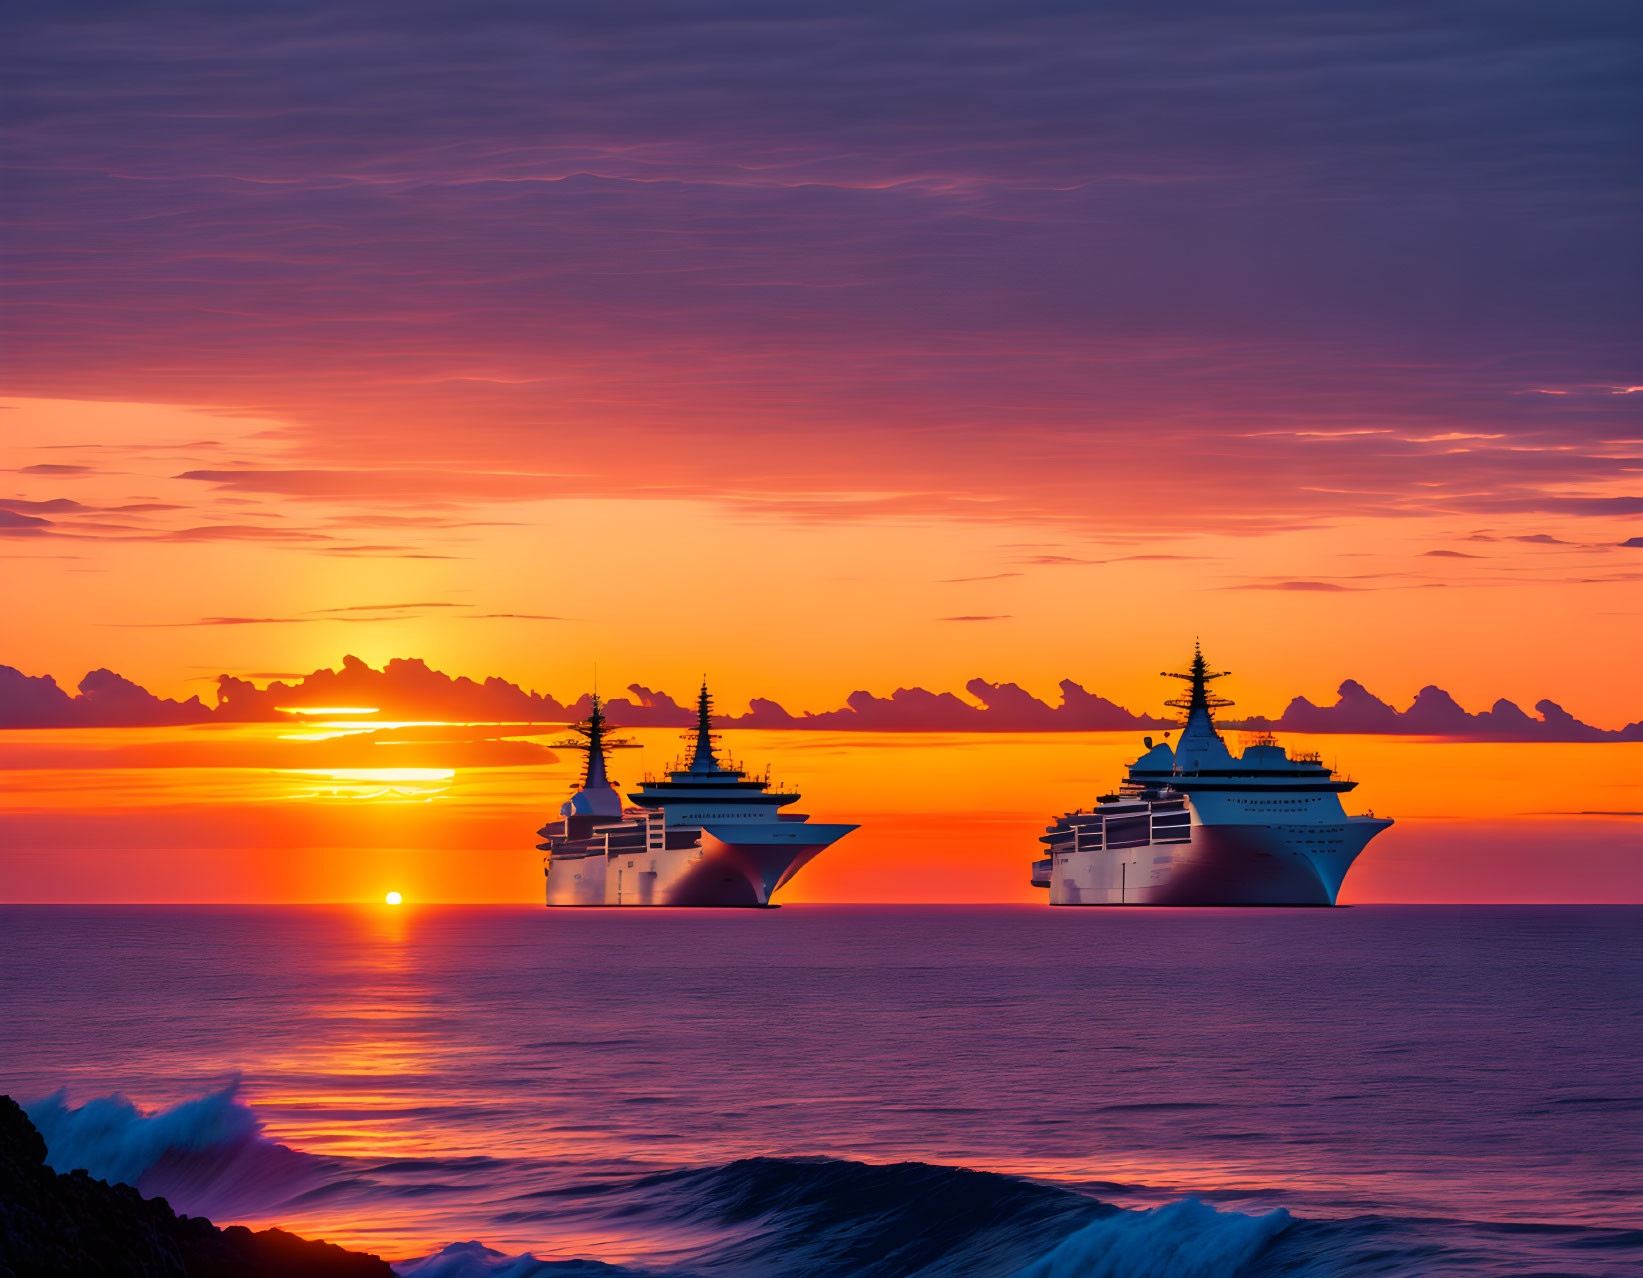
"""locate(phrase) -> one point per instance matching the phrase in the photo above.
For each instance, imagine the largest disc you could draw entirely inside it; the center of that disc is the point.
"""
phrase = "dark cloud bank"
(407, 688)
(1353, 259)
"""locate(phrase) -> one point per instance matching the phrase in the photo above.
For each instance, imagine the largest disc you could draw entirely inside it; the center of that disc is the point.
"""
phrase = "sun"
(393, 898)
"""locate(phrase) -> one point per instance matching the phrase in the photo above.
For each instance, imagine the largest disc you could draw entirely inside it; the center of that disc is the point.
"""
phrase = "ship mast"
(705, 759)
(1199, 697)
(593, 740)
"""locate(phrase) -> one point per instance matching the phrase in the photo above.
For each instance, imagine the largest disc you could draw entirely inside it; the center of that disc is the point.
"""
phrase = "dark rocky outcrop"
(57, 1226)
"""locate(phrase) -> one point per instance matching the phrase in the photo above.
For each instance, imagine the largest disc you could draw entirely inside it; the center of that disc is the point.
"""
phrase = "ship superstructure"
(706, 833)
(1198, 825)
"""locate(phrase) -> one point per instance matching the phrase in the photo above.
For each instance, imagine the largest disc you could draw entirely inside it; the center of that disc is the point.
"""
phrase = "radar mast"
(704, 741)
(592, 740)
(1198, 676)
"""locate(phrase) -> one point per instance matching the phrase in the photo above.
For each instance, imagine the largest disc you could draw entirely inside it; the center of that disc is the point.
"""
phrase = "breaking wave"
(805, 1218)
(475, 1260)
(208, 1153)
(1183, 1240)
(789, 1217)
(834, 1215)
(825, 1216)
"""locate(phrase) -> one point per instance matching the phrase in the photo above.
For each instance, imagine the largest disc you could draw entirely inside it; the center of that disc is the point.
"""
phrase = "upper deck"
(706, 789)
(1131, 820)
(1201, 763)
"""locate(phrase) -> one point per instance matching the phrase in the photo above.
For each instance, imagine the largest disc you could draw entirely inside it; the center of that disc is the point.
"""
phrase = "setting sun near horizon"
(950, 395)
(789, 640)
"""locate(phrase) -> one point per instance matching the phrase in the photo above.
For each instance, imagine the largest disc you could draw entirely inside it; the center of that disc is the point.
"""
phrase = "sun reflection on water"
(383, 785)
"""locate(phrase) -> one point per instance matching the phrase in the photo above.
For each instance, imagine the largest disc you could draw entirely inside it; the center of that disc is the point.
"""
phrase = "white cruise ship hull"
(702, 834)
(739, 864)
(1221, 864)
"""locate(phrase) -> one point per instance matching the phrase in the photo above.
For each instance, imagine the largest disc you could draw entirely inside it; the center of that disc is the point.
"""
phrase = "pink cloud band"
(408, 688)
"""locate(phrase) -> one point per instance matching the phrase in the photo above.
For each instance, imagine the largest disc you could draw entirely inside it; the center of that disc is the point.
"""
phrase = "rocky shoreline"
(69, 1226)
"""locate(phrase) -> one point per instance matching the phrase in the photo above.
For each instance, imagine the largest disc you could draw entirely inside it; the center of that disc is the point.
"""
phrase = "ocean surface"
(823, 1090)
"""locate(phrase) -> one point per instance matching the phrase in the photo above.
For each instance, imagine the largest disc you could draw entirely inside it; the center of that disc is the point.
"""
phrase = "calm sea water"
(1376, 1090)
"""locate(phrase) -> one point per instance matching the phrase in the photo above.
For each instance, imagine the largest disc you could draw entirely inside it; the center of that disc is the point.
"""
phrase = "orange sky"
(822, 351)
(171, 581)
(783, 603)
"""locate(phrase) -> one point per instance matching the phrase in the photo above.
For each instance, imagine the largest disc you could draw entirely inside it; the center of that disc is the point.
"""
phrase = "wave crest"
(837, 1216)
(788, 1217)
(208, 1155)
(1187, 1239)
(475, 1260)
(804, 1216)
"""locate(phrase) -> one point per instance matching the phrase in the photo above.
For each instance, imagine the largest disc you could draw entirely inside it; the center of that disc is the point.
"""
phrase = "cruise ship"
(1198, 825)
(705, 834)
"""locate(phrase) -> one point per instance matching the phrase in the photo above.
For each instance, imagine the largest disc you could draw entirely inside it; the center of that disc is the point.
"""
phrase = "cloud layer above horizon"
(407, 689)
(893, 260)
(830, 348)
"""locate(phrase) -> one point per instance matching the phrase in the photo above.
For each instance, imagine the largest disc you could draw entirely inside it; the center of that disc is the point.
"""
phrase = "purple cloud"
(236, 532)
(399, 607)
(1435, 713)
(1319, 586)
(104, 700)
(407, 688)
(1111, 267)
(56, 506)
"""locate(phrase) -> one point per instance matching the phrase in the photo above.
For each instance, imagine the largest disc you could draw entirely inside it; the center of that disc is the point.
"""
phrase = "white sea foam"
(1187, 1239)
(206, 1155)
(475, 1260)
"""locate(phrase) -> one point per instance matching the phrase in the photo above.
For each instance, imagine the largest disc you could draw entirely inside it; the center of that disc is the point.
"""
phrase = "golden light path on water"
(465, 1069)
(392, 1035)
